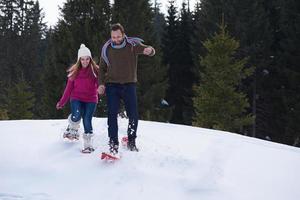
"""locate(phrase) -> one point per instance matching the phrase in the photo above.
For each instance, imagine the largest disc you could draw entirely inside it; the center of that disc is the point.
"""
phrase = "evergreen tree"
(53, 74)
(196, 39)
(21, 35)
(170, 38)
(33, 50)
(159, 23)
(177, 54)
(183, 111)
(250, 22)
(20, 101)
(288, 58)
(219, 103)
(21, 30)
(3, 109)
(3, 114)
(9, 40)
(170, 54)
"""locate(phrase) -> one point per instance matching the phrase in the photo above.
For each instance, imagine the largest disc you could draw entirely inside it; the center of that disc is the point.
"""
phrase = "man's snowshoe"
(124, 141)
(110, 157)
(113, 152)
(131, 146)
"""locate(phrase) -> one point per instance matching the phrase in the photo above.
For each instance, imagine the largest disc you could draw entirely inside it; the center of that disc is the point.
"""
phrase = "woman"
(81, 89)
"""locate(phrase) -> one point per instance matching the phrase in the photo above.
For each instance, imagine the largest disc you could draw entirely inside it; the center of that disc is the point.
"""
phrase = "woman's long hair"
(74, 69)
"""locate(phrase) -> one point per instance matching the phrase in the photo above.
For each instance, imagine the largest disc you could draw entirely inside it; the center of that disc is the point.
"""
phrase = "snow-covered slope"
(175, 162)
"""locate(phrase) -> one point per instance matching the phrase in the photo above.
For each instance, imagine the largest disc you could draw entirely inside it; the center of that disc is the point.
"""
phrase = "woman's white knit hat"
(83, 51)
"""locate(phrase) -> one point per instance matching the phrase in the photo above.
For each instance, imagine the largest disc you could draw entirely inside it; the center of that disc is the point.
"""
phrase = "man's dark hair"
(116, 27)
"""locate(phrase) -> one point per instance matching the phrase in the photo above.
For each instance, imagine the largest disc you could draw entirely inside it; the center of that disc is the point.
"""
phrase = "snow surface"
(174, 162)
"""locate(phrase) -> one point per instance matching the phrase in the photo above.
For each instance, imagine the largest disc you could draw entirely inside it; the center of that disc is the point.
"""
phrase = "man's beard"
(115, 43)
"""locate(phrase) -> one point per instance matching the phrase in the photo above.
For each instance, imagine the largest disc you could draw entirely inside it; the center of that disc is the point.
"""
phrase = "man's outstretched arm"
(145, 49)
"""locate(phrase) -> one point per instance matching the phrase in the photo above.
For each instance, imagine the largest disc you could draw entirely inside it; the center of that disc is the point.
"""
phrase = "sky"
(51, 10)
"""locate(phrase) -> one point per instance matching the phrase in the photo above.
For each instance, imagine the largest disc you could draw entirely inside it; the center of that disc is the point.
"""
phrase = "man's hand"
(148, 51)
(101, 90)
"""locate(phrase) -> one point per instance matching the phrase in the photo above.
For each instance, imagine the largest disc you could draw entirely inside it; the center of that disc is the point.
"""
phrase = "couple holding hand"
(116, 76)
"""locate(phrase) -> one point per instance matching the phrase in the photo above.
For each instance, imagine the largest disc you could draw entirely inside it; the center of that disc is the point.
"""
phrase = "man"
(118, 77)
